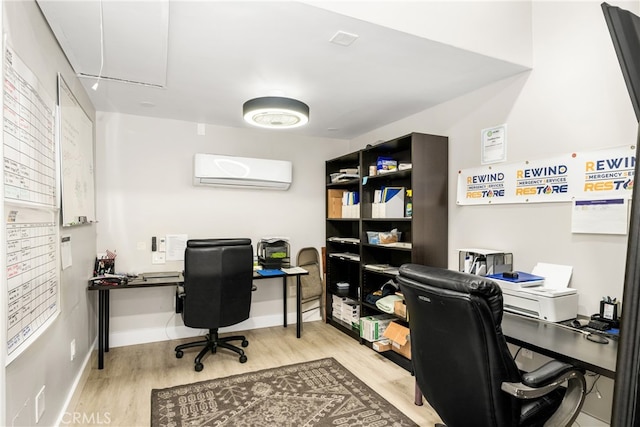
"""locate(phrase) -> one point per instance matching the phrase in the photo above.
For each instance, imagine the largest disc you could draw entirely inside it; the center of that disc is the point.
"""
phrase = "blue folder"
(271, 272)
(522, 278)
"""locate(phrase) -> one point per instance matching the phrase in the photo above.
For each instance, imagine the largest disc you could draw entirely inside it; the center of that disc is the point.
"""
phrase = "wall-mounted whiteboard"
(75, 132)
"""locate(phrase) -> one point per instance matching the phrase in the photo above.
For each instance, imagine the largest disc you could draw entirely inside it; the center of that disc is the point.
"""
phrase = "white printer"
(546, 297)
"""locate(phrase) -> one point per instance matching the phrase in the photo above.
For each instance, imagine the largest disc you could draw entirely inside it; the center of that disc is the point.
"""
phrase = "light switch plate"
(158, 258)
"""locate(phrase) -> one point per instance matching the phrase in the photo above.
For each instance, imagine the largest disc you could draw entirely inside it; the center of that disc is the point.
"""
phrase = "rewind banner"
(607, 173)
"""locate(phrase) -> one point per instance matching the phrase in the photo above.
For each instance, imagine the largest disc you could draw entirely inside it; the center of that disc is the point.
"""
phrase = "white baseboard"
(171, 332)
(79, 379)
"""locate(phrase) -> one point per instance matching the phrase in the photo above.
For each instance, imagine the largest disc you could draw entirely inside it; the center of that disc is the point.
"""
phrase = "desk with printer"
(540, 312)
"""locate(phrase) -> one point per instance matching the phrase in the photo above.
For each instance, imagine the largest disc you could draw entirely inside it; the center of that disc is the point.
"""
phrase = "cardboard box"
(382, 345)
(372, 328)
(334, 203)
(400, 340)
(400, 310)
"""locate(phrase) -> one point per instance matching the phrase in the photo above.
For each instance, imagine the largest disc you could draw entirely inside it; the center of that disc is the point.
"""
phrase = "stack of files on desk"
(294, 270)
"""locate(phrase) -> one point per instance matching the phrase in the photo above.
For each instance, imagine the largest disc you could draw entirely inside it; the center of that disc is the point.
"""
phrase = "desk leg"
(106, 321)
(284, 299)
(298, 307)
(101, 296)
(103, 326)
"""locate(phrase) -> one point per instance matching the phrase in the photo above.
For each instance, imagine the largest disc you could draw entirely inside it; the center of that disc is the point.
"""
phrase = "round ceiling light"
(276, 112)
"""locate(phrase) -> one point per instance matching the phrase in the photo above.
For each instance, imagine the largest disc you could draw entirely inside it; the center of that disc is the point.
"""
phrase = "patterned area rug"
(318, 393)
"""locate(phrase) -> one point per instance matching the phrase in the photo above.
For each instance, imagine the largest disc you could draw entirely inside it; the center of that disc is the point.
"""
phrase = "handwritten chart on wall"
(32, 275)
(31, 279)
(76, 145)
(29, 145)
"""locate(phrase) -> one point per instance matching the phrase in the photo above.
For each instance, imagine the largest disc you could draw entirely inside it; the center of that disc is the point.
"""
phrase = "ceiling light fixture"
(275, 112)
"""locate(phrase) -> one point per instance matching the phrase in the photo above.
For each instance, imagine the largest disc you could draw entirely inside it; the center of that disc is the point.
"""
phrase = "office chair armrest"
(543, 380)
(573, 399)
(547, 373)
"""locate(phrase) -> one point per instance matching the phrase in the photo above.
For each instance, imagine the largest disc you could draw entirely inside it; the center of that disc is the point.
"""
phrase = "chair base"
(211, 343)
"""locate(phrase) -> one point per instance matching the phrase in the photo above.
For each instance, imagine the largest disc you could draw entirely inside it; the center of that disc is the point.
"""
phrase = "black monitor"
(624, 27)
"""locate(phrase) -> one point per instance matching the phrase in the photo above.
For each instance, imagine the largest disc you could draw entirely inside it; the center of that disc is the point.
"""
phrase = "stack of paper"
(556, 283)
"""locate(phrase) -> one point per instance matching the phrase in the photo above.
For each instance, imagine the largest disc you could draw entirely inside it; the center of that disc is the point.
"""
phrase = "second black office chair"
(218, 278)
(462, 363)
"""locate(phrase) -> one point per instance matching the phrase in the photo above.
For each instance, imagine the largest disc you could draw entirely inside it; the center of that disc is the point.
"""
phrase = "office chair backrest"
(459, 353)
(218, 276)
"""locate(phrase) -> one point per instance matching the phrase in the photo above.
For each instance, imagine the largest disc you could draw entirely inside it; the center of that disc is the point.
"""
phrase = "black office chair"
(462, 363)
(218, 278)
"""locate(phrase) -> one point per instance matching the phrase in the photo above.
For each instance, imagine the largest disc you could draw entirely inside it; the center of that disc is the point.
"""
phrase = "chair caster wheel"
(245, 343)
(179, 354)
(243, 358)
(198, 367)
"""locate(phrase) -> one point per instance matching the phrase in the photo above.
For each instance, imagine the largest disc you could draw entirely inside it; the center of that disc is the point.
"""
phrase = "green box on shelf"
(372, 327)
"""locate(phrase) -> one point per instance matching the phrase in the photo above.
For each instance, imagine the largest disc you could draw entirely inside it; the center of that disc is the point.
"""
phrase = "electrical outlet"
(73, 349)
(527, 354)
(40, 404)
(158, 257)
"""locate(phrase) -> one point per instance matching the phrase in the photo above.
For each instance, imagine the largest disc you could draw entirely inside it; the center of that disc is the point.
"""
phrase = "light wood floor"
(121, 392)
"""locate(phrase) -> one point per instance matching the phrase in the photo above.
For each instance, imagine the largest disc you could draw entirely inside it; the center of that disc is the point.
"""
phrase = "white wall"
(144, 170)
(573, 99)
(47, 361)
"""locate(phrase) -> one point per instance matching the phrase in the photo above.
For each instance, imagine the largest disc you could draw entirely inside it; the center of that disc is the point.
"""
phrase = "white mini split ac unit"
(241, 172)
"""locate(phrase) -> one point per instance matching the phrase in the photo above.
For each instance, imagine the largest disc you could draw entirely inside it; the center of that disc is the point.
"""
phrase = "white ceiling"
(199, 61)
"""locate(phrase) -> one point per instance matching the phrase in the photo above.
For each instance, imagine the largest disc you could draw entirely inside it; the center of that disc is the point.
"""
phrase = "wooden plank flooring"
(121, 392)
